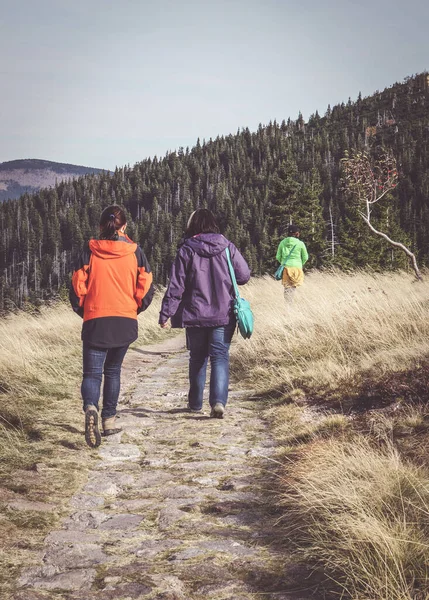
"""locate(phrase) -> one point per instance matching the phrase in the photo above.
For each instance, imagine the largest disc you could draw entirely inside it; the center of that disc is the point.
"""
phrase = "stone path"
(174, 508)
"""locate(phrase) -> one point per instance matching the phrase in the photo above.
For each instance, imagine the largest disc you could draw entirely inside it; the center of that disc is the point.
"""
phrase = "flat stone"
(153, 478)
(146, 493)
(200, 467)
(106, 488)
(108, 484)
(229, 547)
(189, 503)
(180, 491)
(70, 537)
(112, 580)
(170, 587)
(168, 431)
(209, 481)
(137, 504)
(156, 462)
(168, 517)
(31, 573)
(123, 522)
(85, 520)
(120, 452)
(261, 452)
(42, 578)
(74, 556)
(84, 501)
(132, 591)
(151, 548)
(21, 504)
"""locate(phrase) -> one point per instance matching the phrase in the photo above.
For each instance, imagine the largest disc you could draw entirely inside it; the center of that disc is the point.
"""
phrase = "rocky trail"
(177, 506)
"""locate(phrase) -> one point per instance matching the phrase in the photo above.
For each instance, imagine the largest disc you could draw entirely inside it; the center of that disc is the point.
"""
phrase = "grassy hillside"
(346, 372)
(341, 376)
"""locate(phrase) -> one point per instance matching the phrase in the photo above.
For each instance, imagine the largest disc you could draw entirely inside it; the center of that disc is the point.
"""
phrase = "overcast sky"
(102, 83)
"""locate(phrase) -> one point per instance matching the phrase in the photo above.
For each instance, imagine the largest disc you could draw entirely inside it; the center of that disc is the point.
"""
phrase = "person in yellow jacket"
(293, 254)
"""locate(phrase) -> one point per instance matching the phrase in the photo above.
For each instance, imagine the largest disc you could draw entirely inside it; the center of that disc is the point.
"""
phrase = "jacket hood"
(207, 244)
(112, 248)
(291, 241)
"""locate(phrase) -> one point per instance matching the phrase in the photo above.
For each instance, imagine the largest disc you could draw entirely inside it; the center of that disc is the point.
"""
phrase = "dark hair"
(293, 229)
(201, 221)
(112, 218)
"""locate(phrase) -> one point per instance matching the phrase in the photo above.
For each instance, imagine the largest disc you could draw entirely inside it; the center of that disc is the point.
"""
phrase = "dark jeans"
(97, 361)
(205, 342)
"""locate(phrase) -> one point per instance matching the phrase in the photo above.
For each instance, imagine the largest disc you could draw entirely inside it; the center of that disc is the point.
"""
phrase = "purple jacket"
(200, 292)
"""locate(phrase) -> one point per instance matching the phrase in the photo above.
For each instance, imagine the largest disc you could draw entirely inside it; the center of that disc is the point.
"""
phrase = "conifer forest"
(256, 183)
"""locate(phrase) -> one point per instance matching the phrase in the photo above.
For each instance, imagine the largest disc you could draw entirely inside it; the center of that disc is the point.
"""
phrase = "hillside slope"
(255, 182)
(30, 175)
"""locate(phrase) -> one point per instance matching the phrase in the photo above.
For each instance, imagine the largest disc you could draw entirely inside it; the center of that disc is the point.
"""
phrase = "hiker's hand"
(165, 325)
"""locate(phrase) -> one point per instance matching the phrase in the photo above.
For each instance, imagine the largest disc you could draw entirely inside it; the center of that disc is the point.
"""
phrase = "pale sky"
(103, 84)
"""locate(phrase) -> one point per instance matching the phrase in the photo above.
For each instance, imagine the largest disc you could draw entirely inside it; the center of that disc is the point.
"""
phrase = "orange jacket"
(111, 282)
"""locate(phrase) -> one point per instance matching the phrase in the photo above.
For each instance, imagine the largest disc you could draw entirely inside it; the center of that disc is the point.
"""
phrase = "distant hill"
(30, 175)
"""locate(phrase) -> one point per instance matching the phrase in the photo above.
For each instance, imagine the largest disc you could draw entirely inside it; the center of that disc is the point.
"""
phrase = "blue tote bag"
(242, 310)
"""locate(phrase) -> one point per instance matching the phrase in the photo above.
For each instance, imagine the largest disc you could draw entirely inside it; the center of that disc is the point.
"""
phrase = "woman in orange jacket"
(111, 285)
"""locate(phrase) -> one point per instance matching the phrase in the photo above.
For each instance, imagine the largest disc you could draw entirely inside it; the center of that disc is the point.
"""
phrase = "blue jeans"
(205, 342)
(97, 361)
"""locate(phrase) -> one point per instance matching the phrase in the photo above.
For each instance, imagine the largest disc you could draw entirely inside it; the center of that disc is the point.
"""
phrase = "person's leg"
(112, 380)
(220, 341)
(197, 341)
(93, 360)
(289, 294)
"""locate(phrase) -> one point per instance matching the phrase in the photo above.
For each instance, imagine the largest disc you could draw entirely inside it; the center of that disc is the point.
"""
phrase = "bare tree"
(369, 180)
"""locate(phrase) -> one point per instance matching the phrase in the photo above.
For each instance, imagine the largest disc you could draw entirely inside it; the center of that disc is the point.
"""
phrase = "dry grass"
(361, 515)
(339, 327)
(355, 491)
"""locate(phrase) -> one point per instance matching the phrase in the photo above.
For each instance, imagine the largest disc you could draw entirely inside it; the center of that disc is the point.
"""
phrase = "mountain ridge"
(29, 175)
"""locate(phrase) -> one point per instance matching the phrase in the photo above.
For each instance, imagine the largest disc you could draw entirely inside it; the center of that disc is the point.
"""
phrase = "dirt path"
(174, 508)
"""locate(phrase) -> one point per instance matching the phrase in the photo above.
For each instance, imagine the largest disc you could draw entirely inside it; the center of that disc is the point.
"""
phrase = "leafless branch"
(369, 181)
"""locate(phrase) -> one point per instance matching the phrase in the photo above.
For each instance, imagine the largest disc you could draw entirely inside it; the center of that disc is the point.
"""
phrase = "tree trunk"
(397, 245)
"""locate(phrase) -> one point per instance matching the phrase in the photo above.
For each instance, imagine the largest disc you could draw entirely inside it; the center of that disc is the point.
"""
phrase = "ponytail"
(112, 218)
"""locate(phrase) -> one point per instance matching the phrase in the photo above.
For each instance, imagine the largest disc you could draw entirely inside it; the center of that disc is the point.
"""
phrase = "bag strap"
(231, 272)
(287, 258)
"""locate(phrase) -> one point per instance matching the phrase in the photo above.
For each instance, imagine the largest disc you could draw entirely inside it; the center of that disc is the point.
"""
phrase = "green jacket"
(298, 257)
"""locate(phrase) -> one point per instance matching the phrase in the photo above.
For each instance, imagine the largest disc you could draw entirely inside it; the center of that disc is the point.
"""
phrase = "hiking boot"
(217, 411)
(193, 410)
(92, 433)
(109, 426)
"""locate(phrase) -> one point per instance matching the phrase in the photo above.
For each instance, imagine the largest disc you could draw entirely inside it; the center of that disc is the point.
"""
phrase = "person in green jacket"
(293, 254)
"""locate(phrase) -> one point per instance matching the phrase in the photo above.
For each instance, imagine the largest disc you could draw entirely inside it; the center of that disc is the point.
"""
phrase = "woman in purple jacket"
(200, 298)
